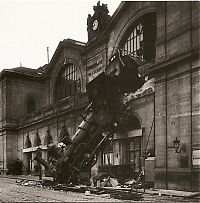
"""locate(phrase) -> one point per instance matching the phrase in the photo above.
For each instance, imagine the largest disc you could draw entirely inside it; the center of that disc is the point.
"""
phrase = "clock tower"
(97, 23)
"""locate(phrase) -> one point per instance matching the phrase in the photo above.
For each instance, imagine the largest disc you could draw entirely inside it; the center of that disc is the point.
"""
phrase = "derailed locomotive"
(104, 116)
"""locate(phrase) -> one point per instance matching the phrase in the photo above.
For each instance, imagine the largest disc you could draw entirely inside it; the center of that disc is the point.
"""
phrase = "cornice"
(162, 63)
(11, 73)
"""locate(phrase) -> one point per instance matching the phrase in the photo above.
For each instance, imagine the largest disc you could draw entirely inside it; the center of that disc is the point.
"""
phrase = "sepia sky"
(28, 27)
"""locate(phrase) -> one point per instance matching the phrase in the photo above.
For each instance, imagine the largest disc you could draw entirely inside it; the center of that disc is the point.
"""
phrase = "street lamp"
(176, 143)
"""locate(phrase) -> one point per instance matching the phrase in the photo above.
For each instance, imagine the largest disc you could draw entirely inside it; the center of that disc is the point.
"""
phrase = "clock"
(95, 24)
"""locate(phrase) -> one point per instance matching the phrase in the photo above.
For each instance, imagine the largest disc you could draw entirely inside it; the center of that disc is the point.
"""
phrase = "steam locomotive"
(104, 116)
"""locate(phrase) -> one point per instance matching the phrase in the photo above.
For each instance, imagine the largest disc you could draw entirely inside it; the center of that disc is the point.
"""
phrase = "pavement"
(151, 191)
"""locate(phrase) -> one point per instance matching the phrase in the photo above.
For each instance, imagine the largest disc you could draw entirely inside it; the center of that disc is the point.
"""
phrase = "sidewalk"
(152, 191)
(176, 193)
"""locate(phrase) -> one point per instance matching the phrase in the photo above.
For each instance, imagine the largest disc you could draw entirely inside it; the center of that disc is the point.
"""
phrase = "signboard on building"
(196, 158)
(95, 67)
(135, 133)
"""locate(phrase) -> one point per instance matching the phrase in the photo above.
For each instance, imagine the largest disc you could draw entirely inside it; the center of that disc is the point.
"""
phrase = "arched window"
(31, 105)
(140, 38)
(48, 138)
(37, 140)
(68, 82)
(28, 142)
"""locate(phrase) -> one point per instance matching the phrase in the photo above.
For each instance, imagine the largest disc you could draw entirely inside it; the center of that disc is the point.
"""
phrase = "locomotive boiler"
(104, 116)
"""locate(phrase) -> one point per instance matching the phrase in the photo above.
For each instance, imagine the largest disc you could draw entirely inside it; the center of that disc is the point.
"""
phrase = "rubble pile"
(29, 183)
(109, 186)
(148, 87)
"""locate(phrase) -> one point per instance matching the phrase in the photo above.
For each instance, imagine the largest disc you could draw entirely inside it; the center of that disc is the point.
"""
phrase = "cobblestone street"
(10, 191)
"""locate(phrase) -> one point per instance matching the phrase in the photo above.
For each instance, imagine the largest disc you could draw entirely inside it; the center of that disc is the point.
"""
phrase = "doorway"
(28, 163)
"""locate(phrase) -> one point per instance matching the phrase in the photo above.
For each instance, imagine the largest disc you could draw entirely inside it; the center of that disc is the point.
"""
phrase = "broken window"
(139, 39)
(107, 153)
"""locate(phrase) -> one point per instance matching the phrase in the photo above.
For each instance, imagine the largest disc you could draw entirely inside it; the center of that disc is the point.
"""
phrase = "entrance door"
(134, 153)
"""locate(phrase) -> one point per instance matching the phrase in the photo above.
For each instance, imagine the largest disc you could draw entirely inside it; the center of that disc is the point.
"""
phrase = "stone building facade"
(39, 106)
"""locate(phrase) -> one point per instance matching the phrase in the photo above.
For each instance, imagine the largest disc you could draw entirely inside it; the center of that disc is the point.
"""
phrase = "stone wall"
(17, 92)
(176, 95)
(143, 109)
(54, 124)
(2, 101)
(175, 100)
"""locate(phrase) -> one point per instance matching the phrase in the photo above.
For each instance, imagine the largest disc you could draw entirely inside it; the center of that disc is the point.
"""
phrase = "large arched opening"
(68, 82)
(121, 156)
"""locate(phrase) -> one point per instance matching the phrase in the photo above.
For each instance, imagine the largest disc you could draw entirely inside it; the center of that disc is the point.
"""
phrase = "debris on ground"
(46, 182)
(130, 182)
(110, 187)
(126, 196)
(87, 192)
(97, 191)
(105, 180)
(30, 183)
(110, 182)
(59, 187)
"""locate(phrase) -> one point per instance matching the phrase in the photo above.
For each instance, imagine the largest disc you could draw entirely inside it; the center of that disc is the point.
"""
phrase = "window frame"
(68, 82)
(132, 42)
(107, 153)
(144, 41)
(133, 150)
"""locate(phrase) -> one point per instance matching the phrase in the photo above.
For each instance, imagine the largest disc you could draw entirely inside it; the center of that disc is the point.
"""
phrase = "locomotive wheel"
(92, 160)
